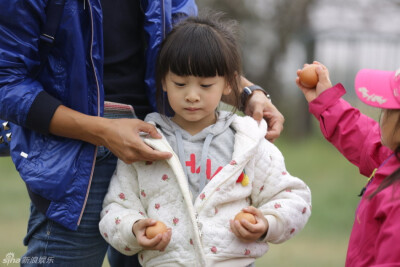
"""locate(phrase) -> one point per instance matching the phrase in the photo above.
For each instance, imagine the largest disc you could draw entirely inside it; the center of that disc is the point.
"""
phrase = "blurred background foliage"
(277, 37)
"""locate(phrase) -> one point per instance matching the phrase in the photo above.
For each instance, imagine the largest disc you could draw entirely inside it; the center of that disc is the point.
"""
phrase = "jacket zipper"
(193, 217)
(98, 110)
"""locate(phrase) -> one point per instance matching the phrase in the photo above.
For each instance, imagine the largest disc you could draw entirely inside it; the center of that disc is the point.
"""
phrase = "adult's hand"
(120, 136)
(259, 106)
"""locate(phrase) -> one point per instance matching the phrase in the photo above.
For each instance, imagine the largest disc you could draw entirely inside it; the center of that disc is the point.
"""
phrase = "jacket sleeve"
(355, 135)
(121, 209)
(23, 100)
(284, 200)
(183, 9)
(159, 17)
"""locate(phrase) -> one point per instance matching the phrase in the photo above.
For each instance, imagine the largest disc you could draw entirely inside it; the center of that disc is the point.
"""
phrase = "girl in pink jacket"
(374, 148)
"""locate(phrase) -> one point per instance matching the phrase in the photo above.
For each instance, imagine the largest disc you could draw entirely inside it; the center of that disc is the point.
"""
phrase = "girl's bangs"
(197, 55)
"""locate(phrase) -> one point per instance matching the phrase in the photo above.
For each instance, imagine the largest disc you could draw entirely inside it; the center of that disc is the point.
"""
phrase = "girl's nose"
(192, 96)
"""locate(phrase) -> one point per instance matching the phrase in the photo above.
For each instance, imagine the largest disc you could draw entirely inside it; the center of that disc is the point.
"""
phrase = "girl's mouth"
(192, 109)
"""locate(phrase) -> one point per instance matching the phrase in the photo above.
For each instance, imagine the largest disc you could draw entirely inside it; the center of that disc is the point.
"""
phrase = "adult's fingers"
(275, 125)
(124, 140)
(257, 113)
(148, 128)
(143, 152)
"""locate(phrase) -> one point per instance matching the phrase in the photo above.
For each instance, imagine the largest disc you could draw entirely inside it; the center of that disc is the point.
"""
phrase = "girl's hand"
(323, 82)
(248, 232)
(159, 242)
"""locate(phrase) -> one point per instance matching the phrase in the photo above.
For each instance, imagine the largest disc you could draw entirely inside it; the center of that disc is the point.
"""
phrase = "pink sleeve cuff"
(326, 99)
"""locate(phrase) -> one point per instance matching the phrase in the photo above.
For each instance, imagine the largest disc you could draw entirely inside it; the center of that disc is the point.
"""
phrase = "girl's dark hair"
(203, 46)
(393, 178)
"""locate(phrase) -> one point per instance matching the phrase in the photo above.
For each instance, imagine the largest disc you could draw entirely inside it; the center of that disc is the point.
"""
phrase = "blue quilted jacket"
(59, 170)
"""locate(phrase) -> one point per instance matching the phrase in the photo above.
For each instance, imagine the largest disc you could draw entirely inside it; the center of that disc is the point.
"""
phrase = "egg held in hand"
(245, 216)
(156, 229)
(308, 76)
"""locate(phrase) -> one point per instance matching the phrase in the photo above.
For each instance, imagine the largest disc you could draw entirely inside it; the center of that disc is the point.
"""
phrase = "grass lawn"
(334, 183)
(14, 210)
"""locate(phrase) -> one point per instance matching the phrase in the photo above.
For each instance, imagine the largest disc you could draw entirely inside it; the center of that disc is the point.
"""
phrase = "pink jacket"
(375, 237)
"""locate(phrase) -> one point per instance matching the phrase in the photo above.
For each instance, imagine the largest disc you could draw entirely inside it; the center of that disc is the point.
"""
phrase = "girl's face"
(390, 130)
(194, 99)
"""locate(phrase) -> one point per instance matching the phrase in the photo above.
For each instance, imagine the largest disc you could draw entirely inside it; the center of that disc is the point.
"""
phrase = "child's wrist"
(133, 227)
(264, 235)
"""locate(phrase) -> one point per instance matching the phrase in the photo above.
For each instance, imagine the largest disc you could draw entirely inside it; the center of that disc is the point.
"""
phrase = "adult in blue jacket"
(59, 132)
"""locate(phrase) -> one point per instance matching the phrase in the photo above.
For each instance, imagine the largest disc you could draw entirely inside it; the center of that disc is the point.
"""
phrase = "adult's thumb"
(257, 113)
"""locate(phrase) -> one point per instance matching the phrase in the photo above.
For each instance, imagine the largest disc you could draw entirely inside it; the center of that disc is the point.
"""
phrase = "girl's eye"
(179, 84)
(206, 85)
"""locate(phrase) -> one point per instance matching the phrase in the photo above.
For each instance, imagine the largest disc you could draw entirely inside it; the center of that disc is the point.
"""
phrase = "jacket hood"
(169, 128)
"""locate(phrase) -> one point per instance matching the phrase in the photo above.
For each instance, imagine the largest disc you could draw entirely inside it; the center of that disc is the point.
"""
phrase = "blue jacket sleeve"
(159, 17)
(23, 99)
(182, 9)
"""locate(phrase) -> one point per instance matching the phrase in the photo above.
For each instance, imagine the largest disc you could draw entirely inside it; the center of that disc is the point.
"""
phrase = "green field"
(333, 181)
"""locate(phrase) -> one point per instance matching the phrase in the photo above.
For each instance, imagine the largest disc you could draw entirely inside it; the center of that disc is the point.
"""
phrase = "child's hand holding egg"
(154, 230)
(308, 76)
(249, 224)
(245, 216)
(312, 80)
(151, 234)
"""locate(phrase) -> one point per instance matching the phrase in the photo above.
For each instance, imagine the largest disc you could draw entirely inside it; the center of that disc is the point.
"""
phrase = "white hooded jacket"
(201, 233)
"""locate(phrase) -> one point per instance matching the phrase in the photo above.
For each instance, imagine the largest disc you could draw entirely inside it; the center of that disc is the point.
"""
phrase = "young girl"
(374, 148)
(221, 165)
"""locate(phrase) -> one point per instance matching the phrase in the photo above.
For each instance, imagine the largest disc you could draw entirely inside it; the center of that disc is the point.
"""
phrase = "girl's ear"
(227, 90)
(163, 84)
(228, 87)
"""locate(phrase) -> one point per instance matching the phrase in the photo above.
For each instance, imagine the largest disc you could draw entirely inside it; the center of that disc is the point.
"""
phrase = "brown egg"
(308, 76)
(245, 216)
(156, 229)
